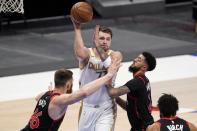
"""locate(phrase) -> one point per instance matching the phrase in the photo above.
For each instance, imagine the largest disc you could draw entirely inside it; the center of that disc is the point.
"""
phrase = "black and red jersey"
(173, 124)
(139, 103)
(40, 120)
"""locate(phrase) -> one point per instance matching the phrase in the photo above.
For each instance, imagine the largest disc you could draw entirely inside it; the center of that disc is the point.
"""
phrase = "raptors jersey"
(173, 124)
(91, 70)
(40, 120)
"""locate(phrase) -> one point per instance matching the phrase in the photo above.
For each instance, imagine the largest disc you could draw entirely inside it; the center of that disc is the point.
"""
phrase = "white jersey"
(93, 69)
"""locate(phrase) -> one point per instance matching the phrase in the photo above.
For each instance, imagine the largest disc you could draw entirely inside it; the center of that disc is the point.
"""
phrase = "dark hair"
(150, 59)
(168, 105)
(62, 76)
(106, 30)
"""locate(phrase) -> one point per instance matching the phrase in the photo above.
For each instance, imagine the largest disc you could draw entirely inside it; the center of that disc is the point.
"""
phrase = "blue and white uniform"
(99, 109)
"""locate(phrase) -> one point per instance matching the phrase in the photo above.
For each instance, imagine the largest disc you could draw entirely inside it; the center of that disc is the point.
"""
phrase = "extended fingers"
(50, 87)
(95, 35)
(75, 23)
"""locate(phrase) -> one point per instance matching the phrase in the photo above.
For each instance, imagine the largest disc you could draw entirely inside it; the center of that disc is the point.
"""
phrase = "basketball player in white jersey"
(98, 110)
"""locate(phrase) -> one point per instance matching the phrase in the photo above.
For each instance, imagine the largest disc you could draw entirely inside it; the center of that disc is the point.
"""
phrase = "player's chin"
(105, 48)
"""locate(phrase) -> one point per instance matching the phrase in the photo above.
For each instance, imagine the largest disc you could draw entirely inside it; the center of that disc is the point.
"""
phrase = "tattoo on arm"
(115, 92)
(121, 91)
(121, 103)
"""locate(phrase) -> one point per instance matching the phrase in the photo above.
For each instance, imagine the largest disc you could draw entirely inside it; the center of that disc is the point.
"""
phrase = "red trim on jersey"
(157, 122)
(141, 79)
(154, 108)
(171, 118)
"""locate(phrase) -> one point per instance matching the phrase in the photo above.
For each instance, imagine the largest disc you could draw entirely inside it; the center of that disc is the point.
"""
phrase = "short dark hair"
(168, 105)
(62, 76)
(106, 30)
(150, 59)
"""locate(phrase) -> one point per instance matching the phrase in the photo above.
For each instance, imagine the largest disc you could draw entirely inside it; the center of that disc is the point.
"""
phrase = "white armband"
(107, 62)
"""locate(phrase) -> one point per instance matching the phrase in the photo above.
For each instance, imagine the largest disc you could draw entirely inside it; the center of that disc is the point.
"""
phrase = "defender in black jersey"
(138, 90)
(40, 120)
(52, 105)
(168, 106)
(139, 103)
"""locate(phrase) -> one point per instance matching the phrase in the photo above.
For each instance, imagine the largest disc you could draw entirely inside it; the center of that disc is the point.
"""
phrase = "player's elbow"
(81, 55)
(112, 93)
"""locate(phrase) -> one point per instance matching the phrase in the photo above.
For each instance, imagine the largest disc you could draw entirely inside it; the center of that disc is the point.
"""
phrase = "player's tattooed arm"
(121, 102)
(115, 92)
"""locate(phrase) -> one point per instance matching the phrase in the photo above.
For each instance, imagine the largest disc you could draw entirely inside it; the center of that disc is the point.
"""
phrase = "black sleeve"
(135, 84)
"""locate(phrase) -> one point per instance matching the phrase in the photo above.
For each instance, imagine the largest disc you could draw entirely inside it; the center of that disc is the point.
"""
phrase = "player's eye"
(108, 39)
(101, 38)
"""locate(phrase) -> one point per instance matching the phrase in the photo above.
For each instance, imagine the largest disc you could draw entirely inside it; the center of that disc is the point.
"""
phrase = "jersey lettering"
(101, 73)
(34, 121)
(176, 127)
(42, 102)
(96, 67)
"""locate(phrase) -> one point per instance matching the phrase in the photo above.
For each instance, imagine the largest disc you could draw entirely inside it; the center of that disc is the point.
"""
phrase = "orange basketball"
(82, 12)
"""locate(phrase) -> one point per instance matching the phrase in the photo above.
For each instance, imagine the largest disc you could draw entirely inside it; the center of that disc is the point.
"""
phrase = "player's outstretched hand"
(95, 37)
(50, 86)
(113, 68)
(116, 55)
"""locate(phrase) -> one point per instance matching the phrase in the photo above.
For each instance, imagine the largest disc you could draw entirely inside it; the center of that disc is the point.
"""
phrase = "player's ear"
(145, 67)
(69, 87)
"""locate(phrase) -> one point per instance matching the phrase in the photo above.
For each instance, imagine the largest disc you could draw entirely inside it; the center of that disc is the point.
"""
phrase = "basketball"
(82, 12)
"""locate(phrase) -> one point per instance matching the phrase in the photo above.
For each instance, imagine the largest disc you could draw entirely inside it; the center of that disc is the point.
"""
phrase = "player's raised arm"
(102, 53)
(81, 51)
(89, 88)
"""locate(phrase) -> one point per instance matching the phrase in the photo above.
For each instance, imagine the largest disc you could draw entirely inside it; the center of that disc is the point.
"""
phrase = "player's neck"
(60, 90)
(169, 118)
(106, 51)
(138, 73)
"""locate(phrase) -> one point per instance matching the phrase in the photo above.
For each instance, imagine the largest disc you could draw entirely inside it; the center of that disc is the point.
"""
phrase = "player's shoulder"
(154, 127)
(92, 51)
(192, 127)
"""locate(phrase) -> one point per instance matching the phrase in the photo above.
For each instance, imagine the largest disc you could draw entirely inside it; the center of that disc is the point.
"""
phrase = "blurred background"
(37, 35)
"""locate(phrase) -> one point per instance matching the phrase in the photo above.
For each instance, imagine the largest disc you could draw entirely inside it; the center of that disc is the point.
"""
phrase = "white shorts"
(98, 117)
